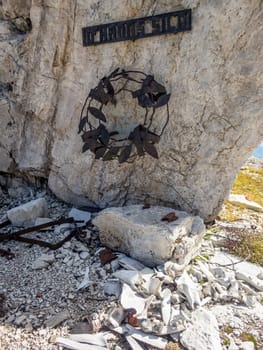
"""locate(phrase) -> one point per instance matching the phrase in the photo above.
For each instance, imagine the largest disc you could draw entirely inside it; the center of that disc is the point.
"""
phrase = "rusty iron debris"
(106, 256)
(19, 235)
(7, 253)
(5, 223)
(2, 304)
(170, 217)
(106, 144)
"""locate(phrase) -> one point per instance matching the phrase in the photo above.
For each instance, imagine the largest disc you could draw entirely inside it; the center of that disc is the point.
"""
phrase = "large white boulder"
(143, 235)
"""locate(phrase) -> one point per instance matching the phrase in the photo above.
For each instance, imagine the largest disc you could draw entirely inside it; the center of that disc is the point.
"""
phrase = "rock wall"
(214, 74)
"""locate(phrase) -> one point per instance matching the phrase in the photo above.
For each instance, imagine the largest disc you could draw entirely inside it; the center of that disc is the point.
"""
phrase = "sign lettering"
(133, 29)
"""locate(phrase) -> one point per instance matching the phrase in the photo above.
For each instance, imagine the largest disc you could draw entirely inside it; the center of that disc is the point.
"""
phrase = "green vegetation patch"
(249, 337)
(249, 182)
(245, 243)
(229, 212)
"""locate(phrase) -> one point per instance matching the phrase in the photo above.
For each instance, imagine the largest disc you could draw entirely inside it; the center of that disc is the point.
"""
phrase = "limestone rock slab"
(203, 333)
(240, 199)
(27, 213)
(143, 235)
(79, 215)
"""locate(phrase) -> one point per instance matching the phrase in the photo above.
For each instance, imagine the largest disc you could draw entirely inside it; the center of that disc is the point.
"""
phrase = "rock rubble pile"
(200, 299)
(171, 299)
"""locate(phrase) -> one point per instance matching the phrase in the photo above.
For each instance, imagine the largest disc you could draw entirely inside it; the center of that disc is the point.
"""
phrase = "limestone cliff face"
(214, 74)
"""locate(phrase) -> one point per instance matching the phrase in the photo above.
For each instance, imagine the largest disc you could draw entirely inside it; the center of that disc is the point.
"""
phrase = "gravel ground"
(34, 297)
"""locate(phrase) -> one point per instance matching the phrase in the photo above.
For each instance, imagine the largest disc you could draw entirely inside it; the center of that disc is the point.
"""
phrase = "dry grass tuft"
(245, 243)
(173, 346)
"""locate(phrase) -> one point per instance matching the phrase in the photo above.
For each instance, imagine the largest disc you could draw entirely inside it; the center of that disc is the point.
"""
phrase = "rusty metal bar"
(5, 223)
(52, 246)
(8, 236)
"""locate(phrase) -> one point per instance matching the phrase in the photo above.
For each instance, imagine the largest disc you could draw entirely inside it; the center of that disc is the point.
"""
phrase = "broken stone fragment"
(84, 255)
(240, 199)
(131, 277)
(247, 345)
(130, 300)
(43, 261)
(144, 236)
(166, 305)
(252, 281)
(55, 320)
(72, 344)
(26, 214)
(112, 287)
(134, 345)
(116, 316)
(41, 221)
(189, 290)
(94, 339)
(202, 333)
(150, 339)
(79, 215)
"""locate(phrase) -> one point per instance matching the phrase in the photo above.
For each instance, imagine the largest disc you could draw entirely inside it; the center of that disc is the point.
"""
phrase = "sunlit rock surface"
(144, 235)
(214, 74)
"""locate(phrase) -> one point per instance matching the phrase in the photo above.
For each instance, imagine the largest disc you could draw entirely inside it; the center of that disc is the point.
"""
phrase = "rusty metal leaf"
(170, 217)
(133, 320)
(139, 147)
(155, 87)
(109, 87)
(125, 153)
(138, 140)
(131, 136)
(92, 143)
(82, 123)
(97, 113)
(111, 154)
(90, 134)
(106, 256)
(152, 137)
(145, 101)
(85, 147)
(142, 133)
(100, 95)
(104, 136)
(99, 152)
(147, 81)
(151, 150)
(162, 100)
(137, 93)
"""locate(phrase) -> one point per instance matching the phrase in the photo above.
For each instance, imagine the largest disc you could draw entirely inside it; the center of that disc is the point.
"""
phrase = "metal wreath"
(104, 143)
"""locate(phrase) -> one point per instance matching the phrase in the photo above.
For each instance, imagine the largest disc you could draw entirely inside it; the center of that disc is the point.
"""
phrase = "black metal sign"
(133, 29)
